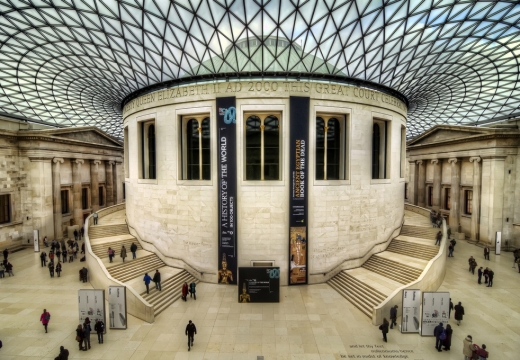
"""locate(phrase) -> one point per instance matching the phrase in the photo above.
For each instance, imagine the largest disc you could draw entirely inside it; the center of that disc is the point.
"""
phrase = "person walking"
(470, 261)
(58, 268)
(76, 234)
(486, 253)
(191, 330)
(79, 336)
(486, 275)
(123, 253)
(450, 250)
(184, 291)
(447, 342)
(193, 291)
(480, 272)
(82, 232)
(468, 348)
(473, 266)
(157, 280)
(51, 256)
(491, 275)
(453, 242)
(71, 254)
(393, 316)
(111, 254)
(86, 334)
(64, 255)
(6, 253)
(482, 353)
(43, 258)
(438, 238)
(384, 328)
(64, 354)
(9, 268)
(147, 280)
(133, 249)
(45, 317)
(2, 270)
(100, 328)
(84, 274)
(459, 313)
(51, 268)
(451, 308)
(95, 218)
(440, 336)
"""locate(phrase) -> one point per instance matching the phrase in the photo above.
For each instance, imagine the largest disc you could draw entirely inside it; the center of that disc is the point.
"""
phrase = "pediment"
(90, 136)
(437, 135)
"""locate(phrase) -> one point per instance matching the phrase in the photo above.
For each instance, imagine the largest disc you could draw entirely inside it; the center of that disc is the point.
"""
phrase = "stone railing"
(101, 279)
(430, 280)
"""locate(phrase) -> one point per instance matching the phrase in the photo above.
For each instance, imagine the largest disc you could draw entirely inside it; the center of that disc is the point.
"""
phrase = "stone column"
(455, 195)
(94, 184)
(116, 183)
(421, 182)
(437, 178)
(109, 177)
(492, 198)
(412, 183)
(56, 198)
(76, 192)
(477, 181)
(118, 179)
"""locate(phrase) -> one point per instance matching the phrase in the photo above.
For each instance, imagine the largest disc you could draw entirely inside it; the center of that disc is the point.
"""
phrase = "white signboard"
(435, 310)
(91, 304)
(36, 241)
(410, 321)
(498, 242)
(117, 307)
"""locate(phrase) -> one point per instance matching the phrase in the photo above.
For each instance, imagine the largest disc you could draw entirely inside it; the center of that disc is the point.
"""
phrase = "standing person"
(79, 336)
(6, 253)
(459, 313)
(86, 333)
(58, 268)
(451, 308)
(83, 232)
(71, 255)
(58, 254)
(157, 280)
(123, 253)
(111, 254)
(491, 275)
(486, 253)
(486, 275)
(147, 280)
(76, 234)
(45, 317)
(480, 272)
(450, 250)
(453, 242)
(384, 328)
(468, 348)
(470, 261)
(83, 248)
(2, 270)
(184, 291)
(191, 330)
(440, 336)
(100, 328)
(51, 256)
(64, 255)
(193, 290)
(51, 268)
(45, 242)
(84, 274)
(447, 342)
(438, 238)
(133, 249)
(9, 268)
(482, 353)
(473, 265)
(43, 258)
(64, 354)
(95, 218)
(393, 316)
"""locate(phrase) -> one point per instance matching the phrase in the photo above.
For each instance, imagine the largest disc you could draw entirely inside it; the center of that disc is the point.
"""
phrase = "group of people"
(57, 252)
(83, 333)
(6, 265)
(487, 272)
(436, 218)
(111, 252)
(156, 279)
(189, 288)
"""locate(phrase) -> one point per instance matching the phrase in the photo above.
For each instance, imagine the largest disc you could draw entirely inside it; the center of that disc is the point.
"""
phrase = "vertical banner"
(410, 321)
(435, 310)
(117, 307)
(299, 130)
(36, 240)
(91, 304)
(227, 190)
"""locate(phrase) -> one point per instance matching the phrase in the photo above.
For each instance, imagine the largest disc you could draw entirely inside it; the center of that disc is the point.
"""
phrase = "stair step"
(353, 300)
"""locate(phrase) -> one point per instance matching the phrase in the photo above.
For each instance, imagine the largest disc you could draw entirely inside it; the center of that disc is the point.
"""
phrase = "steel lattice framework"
(71, 62)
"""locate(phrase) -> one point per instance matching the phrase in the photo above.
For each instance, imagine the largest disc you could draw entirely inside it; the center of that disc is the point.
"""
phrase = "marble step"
(131, 269)
(425, 252)
(101, 250)
(101, 231)
(392, 269)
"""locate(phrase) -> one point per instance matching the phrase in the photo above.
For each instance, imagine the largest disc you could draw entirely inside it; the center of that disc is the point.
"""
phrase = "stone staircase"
(171, 291)
(105, 231)
(101, 249)
(394, 270)
(420, 251)
(419, 232)
(134, 268)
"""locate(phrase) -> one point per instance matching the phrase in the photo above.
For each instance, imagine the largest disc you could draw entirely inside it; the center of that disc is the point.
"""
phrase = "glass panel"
(206, 157)
(84, 198)
(64, 201)
(271, 148)
(333, 150)
(320, 148)
(5, 207)
(101, 196)
(192, 150)
(376, 141)
(253, 139)
(151, 152)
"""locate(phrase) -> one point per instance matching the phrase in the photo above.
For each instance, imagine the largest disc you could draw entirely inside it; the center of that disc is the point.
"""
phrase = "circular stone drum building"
(307, 175)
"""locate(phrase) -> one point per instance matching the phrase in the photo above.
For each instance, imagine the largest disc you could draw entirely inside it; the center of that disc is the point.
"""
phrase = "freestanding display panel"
(36, 240)
(258, 284)
(117, 307)
(498, 242)
(91, 304)
(410, 321)
(435, 309)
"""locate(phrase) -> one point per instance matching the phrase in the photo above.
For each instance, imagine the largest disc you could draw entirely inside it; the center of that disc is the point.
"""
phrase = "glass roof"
(71, 62)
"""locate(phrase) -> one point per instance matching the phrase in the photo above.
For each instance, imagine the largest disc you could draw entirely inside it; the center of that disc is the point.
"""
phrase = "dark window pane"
(64, 201)
(101, 196)
(271, 148)
(320, 148)
(84, 198)
(5, 208)
(333, 149)
(206, 157)
(151, 152)
(376, 142)
(253, 140)
(192, 150)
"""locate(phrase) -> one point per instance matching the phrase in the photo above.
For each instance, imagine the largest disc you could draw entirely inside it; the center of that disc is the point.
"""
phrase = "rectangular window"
(380, 149)
(262, 145)
(196, 147)
(65, 201)
(447, 198)
(5, 208)
(124, 191)
(430, 195)
(101, 196)
(126, 153)
(468, 202)
(84, 198)
(331, 147)
(403, 152)
(406, 191)
(147, 149)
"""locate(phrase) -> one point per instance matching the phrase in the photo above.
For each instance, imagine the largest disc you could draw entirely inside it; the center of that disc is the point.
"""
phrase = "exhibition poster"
(91, 304)
(36, 240)
(410, 321)
(258, 284)
(117, 307)
(435, 309)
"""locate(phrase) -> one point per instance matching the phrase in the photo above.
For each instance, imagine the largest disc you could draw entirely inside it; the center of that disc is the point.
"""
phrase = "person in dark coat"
(437, 332)
(9, 268)
(184, 291)
(82, 232)
(480, 275)
(64, 354)
(86, 334)
(193, 292)
(79, 336)
(123, 253)
(384, 328)
(100, 328)
(447, 342)
(6, 253)
(133, 249)
(491, 275)
(459, 312)
(58, 268)
(473, 265)
(438, 238)
(191, 330)
(451, 308)
(76, 234)
(43, 258)
(486, 275)
(393, 316)
(486, 253)
(157, 280)
(51, 268)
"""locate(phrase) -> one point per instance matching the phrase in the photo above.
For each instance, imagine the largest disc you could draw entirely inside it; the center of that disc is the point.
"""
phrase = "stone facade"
(480, 163)
(346, 217)
(37, 163)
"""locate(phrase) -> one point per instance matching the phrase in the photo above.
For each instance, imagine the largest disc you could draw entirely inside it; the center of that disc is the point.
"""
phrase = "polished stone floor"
(310, 322)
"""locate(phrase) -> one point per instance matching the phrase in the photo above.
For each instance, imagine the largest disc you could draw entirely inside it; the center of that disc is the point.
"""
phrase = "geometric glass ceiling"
(72, 62)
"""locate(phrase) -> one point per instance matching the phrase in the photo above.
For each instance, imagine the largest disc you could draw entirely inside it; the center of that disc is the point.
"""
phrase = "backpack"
(47, 316)
(442, 336)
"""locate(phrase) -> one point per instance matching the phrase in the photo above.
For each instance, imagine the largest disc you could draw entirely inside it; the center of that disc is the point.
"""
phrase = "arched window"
(147, 150)
(262, 160)
(331, 147)
(151, 152)
(380, 148)
(376, 143)
(196, 150)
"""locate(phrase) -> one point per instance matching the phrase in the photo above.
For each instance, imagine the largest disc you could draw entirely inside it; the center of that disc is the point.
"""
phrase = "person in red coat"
(45, 318)
(184, 291)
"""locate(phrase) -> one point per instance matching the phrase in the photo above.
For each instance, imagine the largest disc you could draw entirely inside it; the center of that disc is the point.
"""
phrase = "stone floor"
(310, 322)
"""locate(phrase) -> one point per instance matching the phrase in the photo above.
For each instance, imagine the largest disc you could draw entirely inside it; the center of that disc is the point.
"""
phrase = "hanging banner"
(410, 320)
(36, 240)
(117, 305)
(91, 304)
(227, 190)
(299, 130)
(435, 310)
